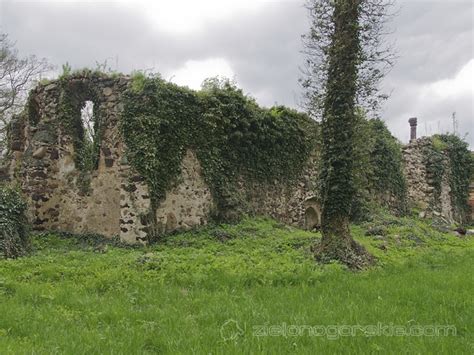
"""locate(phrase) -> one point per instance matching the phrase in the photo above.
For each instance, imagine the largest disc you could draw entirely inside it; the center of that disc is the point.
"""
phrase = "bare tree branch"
(17, 76)
(376, 55)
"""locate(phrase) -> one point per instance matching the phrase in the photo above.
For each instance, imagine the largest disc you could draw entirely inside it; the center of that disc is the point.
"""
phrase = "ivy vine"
(448, 151)
(73, 94)
(378, 170)
(232, 136)
(74, 90)
(14, 227)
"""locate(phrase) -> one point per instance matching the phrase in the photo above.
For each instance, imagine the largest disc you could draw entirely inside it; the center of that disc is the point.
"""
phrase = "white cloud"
(178, 16)
(260, 41)
(193, 73)
(185, 16)
(438, 100)
(434, 104)
(459, 86)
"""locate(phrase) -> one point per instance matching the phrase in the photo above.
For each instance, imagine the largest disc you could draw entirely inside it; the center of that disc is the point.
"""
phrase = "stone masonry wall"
(296, 204)
(187, 205)
(421, 190)
(113, 200)
(43, 161)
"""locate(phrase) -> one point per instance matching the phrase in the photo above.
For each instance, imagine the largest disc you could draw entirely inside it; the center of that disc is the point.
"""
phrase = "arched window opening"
(312, 219)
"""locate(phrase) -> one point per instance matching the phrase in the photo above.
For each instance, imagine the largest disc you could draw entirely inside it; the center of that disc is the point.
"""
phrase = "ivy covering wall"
(378, 170)
(74, 90)
(238, 143)
(232, 136)
(14, 240)
(72, 97)
(459, 170)
(235, 138)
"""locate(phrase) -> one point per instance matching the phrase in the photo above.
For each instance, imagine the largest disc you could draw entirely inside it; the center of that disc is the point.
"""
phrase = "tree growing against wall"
(346, 59)
(17, 75)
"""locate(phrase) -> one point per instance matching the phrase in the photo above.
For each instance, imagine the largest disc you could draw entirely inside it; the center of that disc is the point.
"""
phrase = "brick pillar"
(412, 122)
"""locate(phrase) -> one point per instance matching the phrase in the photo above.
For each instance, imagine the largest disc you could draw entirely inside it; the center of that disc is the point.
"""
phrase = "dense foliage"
(14, 238)
(232, 136)
(448, 151)
(378, 170)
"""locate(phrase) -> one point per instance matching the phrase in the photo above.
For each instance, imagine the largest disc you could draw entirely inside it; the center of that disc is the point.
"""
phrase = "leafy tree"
(16, 77)
(346, 59)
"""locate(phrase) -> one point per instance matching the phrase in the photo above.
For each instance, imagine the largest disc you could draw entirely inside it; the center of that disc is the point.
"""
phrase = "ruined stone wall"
(61, 198)
(187, 205)
(296, 204)
(420, 182)
(112, 199)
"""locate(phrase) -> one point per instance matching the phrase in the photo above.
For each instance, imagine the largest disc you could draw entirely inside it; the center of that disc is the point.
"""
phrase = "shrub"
(378, 170)
(14, 237)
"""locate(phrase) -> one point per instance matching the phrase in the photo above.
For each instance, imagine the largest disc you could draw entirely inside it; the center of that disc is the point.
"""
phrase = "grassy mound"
(247, 288)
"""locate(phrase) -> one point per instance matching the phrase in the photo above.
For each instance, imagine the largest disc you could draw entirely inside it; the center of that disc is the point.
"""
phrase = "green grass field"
(246, 288)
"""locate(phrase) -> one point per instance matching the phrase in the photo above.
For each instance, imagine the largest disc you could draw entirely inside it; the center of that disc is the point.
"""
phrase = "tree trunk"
(337, 129)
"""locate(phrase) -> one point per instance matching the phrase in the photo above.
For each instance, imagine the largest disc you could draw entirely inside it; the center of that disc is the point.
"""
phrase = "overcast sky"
(258, 43)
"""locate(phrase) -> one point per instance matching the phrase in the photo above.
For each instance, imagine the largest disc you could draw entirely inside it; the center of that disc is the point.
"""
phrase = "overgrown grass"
(74, 297)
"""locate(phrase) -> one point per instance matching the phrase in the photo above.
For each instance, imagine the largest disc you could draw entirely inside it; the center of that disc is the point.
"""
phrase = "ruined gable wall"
(61, 198)
(113, 199)
(421, 185)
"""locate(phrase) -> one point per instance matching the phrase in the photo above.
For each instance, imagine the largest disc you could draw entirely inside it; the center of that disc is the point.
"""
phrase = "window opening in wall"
(312, 219)
(89, 151)
(87, 118)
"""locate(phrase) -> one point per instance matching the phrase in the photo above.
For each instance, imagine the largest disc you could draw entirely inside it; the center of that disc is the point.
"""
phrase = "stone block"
(109, 162)
(107, 91)
(40, 153)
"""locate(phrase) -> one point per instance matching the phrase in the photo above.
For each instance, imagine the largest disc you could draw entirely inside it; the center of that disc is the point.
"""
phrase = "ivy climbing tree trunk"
(337, 134)
(346, 58)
